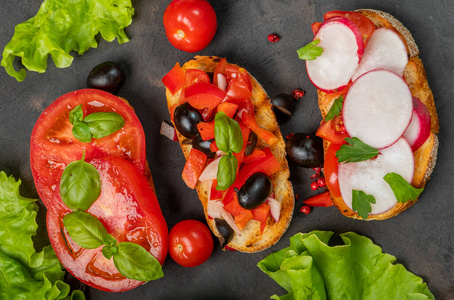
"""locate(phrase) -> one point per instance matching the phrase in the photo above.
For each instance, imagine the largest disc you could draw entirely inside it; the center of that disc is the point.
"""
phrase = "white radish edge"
(373, 109)
(335, 67)
(367, 176)
(419, 129)
(384, 50)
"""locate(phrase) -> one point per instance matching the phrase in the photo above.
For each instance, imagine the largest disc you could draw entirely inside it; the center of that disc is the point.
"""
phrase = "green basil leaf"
(401, 188)
(227, 133)
(86, 230)
(109, 240)
(102, 124)
(81, 131)
(356, 151)
(310, 51)
(76, 115)
(335, 109)
(134, 262)
(109, 251)
(226, 171)
(80, 185)
(361, 203)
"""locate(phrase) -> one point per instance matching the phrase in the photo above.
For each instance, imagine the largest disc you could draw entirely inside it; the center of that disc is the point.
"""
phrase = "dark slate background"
(421, 238)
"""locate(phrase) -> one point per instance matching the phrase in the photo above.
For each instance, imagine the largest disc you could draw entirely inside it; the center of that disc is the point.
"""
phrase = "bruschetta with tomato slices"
(235, 153)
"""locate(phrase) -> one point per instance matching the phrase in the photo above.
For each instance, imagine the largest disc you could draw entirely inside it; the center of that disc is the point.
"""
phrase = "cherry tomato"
(53, 146)
(128, 209)
(190, 25)
(330, 170)
(195, 76)
(190, 243)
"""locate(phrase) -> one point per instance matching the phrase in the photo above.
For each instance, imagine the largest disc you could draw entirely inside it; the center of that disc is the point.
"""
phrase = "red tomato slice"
(237, 91)
(220, 68)
(327, 131)
(128, 209)
(330, 169)
(204, 95)
(195, 76)
(232, 72)
(53, 146)
(364, 24)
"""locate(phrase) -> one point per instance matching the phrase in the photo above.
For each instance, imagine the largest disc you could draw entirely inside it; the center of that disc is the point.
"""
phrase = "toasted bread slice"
(250, 239)
(415, 76)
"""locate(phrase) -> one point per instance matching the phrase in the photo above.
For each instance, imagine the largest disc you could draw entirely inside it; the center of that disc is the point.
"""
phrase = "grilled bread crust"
(250, 239)
(415, 76)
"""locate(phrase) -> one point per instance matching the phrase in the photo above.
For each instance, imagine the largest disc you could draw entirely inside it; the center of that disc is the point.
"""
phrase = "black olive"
(204, 146)
(252, 142)
(106, 76)
(255, 191)
(186, 119)
(224, 230)
(284, 106)
(305, 150)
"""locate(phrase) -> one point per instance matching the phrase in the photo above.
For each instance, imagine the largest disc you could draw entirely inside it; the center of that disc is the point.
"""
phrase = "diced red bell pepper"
(213, 147)
(175, 79)
(264, 134)
(193, 76)
(245, 132)
(204, 95)
(254, 156)
(239, 157)
(215, 194)
(206, 130)
(241, 215)
(233, 207)
(228, 108)
(261, 214)
(220, 68)
(322, 199)
(268, 165)
(207, 114)
(237, 91)
(193, 167)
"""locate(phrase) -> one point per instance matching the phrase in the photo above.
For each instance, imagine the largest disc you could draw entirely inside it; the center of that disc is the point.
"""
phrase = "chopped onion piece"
(222, 81)
(240, 112)
(214, 209)
(210, 172)
(275, 208)
(168, 131)
(229, 219)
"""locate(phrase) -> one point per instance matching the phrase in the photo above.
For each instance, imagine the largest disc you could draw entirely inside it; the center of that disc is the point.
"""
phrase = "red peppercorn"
(321, 182)
(315, 176)
(289, 135)
(298, 93)
(273, 38)
(314, 186)
(297, 196)
(317, 169)
(305, 209)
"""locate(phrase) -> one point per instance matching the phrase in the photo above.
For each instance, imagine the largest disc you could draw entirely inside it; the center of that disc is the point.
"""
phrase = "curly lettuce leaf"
(25, 273)
(62, 26)
(356, 270)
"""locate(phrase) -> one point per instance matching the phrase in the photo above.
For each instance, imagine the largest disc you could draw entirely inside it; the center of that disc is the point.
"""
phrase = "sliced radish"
(343, 47)
(385, 50)
(378, 108)
(168, 131)
(419, 129)
(367, 176)
(275, 208)
(211, 170)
